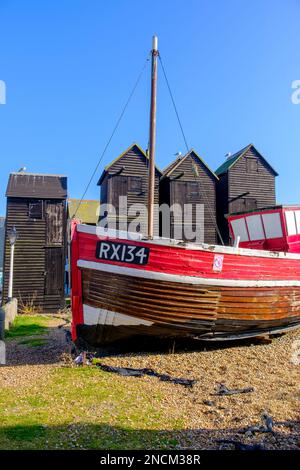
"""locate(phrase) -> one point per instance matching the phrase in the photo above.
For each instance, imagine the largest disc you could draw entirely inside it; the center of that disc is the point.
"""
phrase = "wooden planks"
(193, 307)
(38, 272)
(191, 182)
(243, 177)
(128, 176)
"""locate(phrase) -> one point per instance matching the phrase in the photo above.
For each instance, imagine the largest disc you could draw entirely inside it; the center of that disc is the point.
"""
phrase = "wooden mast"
(151, 181)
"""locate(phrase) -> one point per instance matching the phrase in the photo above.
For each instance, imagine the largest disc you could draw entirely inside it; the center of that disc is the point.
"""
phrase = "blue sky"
(69, 66)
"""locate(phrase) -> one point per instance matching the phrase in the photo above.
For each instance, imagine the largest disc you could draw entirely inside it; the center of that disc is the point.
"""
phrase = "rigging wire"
(113, 133)
(173, 101)
(212, 216)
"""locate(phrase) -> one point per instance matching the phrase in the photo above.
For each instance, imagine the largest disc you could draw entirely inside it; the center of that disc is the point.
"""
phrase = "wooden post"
(151, 182)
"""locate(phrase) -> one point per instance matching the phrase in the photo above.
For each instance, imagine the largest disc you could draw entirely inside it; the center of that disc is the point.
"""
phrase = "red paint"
(76, 289)
(199, 263)
(186, 262)
(286, 243)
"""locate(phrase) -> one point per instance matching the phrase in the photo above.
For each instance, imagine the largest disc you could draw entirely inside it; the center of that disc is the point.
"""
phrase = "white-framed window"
(297, 217)
(255, 227)
(239, 229)
(272, 225)
(290, 222)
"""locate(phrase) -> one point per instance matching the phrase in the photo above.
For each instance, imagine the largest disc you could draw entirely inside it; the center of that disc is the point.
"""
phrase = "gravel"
(206, 418)
(268, 368)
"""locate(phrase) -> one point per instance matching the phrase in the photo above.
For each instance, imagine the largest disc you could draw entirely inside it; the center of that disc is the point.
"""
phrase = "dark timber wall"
(128, 176)
(188, 180)
(246, 181)
(36, 205)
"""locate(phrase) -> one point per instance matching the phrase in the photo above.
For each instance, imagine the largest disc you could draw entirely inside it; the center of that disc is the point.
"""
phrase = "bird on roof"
(178, 154)
(23, 168)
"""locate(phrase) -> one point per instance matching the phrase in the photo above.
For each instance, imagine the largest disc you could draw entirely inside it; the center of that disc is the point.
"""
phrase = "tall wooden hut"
(246, 181)
(127, 175)
(188, 180)
(36, 205)
(2, 236)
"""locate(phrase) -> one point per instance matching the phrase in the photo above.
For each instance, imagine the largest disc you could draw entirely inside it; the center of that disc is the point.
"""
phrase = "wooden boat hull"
(181, 291)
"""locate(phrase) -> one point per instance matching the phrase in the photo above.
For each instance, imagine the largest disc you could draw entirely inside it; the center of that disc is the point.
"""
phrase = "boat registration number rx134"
(112, 251)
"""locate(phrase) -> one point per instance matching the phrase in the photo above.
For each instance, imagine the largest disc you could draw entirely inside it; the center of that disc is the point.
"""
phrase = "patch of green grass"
(24, 432)
(84, 407)
(80, 407)
(36, 401)
(27, 325)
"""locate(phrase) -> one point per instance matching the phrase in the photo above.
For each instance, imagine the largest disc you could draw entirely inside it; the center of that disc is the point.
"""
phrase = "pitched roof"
(177, 162)
(87, 212)
(36, 185)
(106, 169)
(235, 157)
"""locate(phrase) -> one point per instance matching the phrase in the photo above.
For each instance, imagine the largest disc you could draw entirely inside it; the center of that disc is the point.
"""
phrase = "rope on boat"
(173, 101)
(113, 133)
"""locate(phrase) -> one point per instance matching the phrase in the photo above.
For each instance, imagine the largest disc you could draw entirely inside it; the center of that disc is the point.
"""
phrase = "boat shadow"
(103, 436)
(156, 345)
(57, 346)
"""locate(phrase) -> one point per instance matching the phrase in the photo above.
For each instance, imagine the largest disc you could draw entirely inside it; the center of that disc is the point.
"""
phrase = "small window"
(193, 191)
(135, 184)
(255, 228)
(291, 222)
(272, 225)
(297, 216)
(252, 165)
(35, 210)
(239, 229)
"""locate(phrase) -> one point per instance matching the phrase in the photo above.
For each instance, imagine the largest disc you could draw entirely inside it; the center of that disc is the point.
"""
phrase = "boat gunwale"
(218, 249)
(199, 280)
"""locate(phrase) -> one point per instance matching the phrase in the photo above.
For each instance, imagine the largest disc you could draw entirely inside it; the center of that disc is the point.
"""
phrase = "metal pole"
(11, 271)
(151, 182)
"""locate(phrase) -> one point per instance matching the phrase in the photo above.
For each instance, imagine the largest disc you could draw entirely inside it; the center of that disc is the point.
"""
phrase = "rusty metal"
(192, 309)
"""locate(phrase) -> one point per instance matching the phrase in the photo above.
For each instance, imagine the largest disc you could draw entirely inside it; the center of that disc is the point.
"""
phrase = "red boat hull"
(207, 292)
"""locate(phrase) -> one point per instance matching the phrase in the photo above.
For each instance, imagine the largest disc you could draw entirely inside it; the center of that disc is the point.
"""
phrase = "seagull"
(23, 168)
(178, 154)
(228, 156)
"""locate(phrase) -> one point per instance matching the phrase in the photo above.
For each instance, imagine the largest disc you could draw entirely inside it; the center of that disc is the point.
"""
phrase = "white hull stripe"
(119, 234)
(142, 273)
(100, 316)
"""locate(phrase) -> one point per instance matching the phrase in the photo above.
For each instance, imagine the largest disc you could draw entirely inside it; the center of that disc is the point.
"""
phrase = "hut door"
(54, 223)
(119, 187)
(54, 271)
(54, 249)
(185, 192)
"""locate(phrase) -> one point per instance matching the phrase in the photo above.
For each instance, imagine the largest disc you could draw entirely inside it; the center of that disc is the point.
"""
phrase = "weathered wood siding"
(222, 206)
(39, 260)
(191, 182)
(252, 175)
(258, 180)
(128, 176)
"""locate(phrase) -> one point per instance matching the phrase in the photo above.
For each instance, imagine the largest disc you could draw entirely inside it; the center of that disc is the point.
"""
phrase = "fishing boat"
(126, 284)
